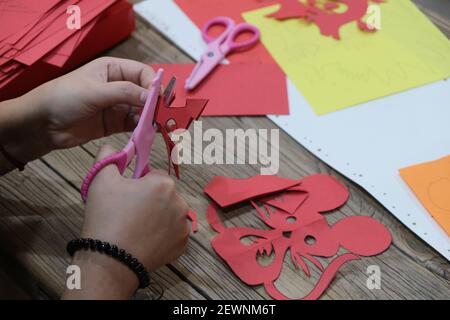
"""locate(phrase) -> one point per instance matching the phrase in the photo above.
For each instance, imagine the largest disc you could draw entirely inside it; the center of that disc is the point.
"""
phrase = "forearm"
(102, 278)
(22, 122)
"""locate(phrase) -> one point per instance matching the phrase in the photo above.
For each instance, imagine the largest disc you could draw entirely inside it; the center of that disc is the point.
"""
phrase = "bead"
(134, 262)
(127, 258)
(107, 248)
(122, 253)
(92, 244)
(98, 245)
(114, 251)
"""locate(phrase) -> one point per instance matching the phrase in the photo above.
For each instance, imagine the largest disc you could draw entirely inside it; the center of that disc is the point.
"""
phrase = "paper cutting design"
(173, 118)
(305, 233)
(333, 75)
(325, 15)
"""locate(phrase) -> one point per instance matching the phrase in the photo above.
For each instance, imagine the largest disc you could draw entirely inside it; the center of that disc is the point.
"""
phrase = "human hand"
(103, 97)
(145, 217)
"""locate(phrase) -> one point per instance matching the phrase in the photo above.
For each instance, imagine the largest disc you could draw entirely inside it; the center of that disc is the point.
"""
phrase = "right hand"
(145, 217)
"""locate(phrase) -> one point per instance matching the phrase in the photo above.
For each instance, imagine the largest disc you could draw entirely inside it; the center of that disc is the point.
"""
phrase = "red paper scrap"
(194, 220)
(305, 233)
(238, 89)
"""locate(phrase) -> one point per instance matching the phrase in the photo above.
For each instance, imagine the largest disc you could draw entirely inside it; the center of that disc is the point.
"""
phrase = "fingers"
(129, 70)
(121, 92)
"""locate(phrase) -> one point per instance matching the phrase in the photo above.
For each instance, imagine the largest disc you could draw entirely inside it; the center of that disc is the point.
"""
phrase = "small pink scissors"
(220, 47)
(141, 141)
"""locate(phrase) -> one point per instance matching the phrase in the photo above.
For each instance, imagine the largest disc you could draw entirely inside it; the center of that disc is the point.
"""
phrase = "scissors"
(219, 47)
(142, 139)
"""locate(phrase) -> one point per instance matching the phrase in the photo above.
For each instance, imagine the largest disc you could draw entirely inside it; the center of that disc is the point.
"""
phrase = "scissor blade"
(168, 94)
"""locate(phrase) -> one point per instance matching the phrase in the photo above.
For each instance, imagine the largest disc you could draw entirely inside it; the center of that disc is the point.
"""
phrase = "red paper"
(306, 234)
(239, 89)
(182, 116)
(326, 16)
(194, 220)
(51, 37)
(114, 24)
(228, 191)
(15, 15)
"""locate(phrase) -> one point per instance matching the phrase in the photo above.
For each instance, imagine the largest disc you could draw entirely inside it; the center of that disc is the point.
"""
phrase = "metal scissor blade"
(168, 94)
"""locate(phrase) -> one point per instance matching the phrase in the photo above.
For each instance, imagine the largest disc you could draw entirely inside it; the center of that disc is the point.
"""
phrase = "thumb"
(122, 92)
(104, 152)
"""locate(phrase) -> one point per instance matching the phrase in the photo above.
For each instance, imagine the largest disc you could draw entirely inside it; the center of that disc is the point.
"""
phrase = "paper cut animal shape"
(325, 17)
(170, 119)
(305, 233)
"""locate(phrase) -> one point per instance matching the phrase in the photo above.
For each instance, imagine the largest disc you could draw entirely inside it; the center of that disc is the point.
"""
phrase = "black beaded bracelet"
(113, 251)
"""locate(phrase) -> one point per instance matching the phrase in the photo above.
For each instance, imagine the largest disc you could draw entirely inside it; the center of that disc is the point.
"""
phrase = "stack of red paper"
(39, 39)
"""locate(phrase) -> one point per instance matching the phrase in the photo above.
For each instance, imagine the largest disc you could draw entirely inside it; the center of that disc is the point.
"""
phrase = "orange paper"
(430, 182)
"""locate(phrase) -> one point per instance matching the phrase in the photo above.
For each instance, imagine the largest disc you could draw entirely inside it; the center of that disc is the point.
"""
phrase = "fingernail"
(144, 96)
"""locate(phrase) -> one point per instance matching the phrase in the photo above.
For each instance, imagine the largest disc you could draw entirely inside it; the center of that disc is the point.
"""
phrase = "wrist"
(102, 277)
(22, 128)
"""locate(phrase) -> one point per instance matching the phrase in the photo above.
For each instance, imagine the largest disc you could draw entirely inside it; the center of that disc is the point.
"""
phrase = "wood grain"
(40, 210)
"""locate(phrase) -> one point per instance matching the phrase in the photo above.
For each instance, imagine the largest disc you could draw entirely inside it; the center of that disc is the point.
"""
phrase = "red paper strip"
(305, 233)
(239, 89)
(194, 220)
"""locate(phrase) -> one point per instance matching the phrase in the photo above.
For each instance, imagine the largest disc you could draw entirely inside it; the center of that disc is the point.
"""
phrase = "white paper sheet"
(367, 143)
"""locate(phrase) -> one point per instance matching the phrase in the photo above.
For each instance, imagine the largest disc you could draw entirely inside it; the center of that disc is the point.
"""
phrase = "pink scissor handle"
(120, 159)
(228, 23)
(230, 34)
(239, 29)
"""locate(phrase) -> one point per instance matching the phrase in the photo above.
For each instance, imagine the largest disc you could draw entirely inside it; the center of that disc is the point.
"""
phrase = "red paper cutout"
(182, 118)
(328, 21)
(228, 191)
(194, 220)
(305, 233)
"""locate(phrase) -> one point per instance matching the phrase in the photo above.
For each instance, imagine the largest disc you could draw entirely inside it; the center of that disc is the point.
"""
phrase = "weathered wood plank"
(39, 213)
(40, 210)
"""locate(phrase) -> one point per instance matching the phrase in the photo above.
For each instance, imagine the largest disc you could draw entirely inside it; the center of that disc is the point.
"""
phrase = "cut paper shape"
(229, 191)
(169, 119)
(238, 89)
(430, 182)
(192, 215)
(287, 201)
(333, 75)
(324, 15)
(306, 234)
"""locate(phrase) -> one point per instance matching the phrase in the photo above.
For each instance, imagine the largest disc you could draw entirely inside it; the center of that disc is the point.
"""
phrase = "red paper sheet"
(200, 11)
(58, 31)
(239, 89)
(305, 233)
(17, 14)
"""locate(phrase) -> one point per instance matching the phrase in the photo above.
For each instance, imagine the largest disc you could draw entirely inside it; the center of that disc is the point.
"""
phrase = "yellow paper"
(431, 183)
(407, 52)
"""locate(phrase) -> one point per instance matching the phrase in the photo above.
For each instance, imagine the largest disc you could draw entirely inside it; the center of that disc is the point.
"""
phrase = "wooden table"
(41, 209)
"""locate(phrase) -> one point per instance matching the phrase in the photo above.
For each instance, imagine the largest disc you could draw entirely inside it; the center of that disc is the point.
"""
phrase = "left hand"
(103, 97)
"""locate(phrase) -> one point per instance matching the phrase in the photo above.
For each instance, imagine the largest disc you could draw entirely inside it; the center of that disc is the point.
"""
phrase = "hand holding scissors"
(219, 47)
(141, 142)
